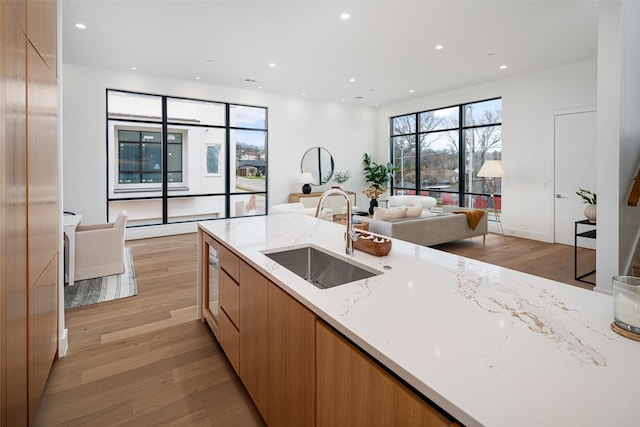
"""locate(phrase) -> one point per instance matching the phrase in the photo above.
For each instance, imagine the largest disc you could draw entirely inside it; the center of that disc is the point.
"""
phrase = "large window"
(140, 157)
(175, 160)
(439, 152)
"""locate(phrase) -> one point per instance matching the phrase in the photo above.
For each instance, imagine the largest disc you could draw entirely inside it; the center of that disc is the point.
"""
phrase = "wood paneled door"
(30, 213)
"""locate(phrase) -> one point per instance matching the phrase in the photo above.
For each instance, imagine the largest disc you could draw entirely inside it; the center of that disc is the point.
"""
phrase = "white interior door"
(575, 166)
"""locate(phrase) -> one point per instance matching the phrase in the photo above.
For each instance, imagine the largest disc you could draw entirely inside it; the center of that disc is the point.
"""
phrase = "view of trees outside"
(439, 152)
(200, 183)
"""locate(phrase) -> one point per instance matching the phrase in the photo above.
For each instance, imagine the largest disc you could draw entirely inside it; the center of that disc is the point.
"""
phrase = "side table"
(587, 234)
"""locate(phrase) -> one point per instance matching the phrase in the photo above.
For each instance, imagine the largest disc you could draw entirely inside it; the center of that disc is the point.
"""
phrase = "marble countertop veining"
(489, 345)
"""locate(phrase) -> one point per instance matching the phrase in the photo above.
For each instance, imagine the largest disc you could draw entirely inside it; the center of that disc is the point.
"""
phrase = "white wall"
(528, 106)
(295, 125)
(618, 137)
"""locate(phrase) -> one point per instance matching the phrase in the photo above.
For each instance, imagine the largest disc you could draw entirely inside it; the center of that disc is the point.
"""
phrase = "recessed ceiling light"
(352, 80)
(344, 16)
(304, 93)
(259, 87)
(439, 47)
(503, 67)
(197, 77)
(81, 26)
(133, 68)
(272, 65)
(411, 91)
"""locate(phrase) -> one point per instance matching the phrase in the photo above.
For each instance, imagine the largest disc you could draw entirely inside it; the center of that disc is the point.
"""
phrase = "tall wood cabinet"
(29, 211)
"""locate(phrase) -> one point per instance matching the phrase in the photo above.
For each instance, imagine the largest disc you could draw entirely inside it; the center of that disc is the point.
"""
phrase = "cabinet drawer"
(229, 339)
(230, 297)
(229, 262)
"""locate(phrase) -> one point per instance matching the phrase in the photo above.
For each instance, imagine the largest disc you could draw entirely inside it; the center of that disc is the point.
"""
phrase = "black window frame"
(461, 129)
(165, 124)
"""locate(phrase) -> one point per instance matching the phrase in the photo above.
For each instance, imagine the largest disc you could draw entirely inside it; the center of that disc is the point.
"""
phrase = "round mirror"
(319, 163)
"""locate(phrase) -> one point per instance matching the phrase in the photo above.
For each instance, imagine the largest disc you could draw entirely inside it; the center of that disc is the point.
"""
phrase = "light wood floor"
(552, 261)
(147, 361)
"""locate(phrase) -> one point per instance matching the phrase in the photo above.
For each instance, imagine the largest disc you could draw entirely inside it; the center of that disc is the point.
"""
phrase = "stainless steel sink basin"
(320, 268)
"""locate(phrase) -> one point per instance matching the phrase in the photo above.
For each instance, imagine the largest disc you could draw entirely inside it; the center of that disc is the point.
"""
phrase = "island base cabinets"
(354, 391)
(219, 298)
(277, 351)
(254, 337)
(292, 361)
(228, 334)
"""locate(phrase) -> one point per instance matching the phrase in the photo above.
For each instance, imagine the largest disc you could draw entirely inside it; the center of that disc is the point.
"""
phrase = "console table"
(334, 201)
(587, 234)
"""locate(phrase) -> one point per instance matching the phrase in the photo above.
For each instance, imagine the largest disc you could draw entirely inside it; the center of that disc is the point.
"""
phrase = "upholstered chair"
(100, 248)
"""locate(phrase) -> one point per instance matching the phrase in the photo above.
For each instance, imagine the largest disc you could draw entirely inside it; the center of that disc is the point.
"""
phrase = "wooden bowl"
(373, 244)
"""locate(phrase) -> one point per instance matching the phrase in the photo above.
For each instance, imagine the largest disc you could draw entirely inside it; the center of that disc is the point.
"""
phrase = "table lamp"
(306, 178)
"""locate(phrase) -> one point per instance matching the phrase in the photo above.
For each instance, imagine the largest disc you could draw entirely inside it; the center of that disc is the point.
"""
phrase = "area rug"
(101, 289)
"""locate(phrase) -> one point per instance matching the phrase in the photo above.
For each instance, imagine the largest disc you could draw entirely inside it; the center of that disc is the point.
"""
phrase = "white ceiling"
(386, 46)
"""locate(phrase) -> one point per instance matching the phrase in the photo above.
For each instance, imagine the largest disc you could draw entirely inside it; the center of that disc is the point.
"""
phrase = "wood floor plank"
(146, 360)
(178, 317)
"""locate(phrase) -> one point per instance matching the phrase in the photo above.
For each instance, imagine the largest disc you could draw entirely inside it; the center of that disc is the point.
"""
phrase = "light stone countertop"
(489, 345)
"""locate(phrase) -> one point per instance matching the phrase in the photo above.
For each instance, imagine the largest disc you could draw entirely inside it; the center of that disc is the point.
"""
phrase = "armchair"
(100, 249)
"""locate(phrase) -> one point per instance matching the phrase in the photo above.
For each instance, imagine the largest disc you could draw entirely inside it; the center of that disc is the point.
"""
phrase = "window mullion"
(165, 162)
(418, 150)
(227, 159)
(462, 159)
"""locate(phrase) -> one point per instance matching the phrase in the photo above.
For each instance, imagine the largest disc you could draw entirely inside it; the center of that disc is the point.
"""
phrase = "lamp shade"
(306, 178)
(492, 169)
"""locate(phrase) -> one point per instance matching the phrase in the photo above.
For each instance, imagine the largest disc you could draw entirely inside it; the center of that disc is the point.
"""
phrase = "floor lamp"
(490, 170)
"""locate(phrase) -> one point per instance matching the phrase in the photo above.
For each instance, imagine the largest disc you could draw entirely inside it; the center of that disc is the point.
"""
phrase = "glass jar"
(626, 303)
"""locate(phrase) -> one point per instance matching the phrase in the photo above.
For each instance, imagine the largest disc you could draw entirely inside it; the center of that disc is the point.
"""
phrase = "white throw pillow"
(414, 211)
(388, 214)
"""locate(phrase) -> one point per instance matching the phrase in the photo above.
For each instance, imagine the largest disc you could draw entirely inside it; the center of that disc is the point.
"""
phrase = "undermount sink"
(320, 268)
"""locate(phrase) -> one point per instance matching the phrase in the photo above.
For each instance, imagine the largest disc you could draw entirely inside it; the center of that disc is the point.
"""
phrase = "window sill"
(148, 190)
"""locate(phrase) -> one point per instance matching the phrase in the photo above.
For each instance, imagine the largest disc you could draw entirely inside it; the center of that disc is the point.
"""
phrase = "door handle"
(560, 196)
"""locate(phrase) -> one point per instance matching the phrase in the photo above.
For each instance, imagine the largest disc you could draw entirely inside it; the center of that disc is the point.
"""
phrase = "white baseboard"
(63, 343)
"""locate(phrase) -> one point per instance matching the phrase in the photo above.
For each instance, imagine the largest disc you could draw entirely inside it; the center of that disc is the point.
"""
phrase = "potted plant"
(589, 198)
(377, 176)
(341, 177)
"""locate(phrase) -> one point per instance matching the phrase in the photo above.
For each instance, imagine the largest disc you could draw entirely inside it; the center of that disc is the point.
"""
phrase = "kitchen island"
(488, 345)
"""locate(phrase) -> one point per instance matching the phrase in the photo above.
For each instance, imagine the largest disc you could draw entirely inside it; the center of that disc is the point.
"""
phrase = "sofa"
(431, 229)
(426, 202)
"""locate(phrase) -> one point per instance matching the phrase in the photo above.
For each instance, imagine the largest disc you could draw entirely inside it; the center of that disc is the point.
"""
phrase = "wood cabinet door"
(291, 361)
(229, 297)
(354, 391)
(229, 339)
(229, 262)
(13, 312)
(254, 337)
(43, 332)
